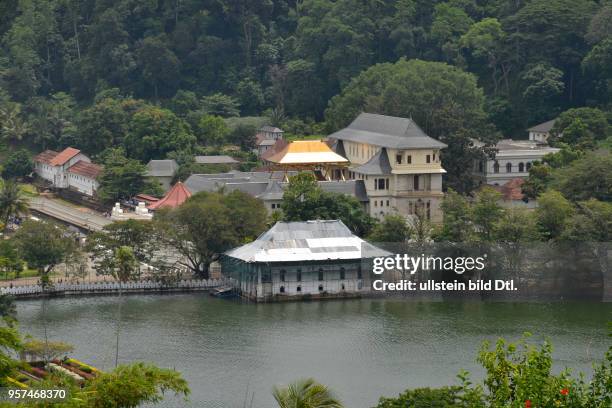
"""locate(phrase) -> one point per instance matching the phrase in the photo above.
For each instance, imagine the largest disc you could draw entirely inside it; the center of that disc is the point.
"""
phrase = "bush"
(445, 397)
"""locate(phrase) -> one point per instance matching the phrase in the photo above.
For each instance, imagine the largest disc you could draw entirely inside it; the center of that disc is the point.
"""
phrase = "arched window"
(521, 167)
(320, 288)
(283, 274)
(282, 289)
(528, 166)
(342, 273)
(299, 289)
(508, 167)
(496, 167)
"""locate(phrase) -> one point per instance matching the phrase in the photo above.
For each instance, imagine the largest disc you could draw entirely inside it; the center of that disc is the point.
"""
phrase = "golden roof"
(306, 152)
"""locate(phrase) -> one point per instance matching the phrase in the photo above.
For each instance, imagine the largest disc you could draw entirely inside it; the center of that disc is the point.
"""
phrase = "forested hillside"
(152, 74)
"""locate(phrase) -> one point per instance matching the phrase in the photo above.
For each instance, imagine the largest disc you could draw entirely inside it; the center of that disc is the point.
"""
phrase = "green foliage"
(445, 397)
(18, 164)
(589, 176)
(13, 202)
(517, 225)
(122, 178)
(306, 393)
(209, 224)
(304, 200)
(552, 213)
(154, 132)
(393, 228)
(44, 245)
(10, 261)
(131, 385)
(456, 225)
(137, 236)
(486, 211)
(45, 350)
(581, 127)
(516, 375)
(212, 130)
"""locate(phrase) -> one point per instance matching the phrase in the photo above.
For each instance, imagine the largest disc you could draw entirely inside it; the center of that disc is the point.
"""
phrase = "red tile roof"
(65, 155)
(177, 195)
(85, 169)
(512, 190)
(276, 147)
(46, 156)
(146, 198)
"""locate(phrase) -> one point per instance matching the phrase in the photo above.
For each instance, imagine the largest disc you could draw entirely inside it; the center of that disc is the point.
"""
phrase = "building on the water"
(301, 260)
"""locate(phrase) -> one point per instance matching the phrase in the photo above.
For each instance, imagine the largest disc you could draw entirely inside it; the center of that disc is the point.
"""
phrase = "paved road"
(82, 218)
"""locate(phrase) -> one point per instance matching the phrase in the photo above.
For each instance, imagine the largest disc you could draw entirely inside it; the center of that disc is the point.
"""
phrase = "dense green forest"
(153, 76)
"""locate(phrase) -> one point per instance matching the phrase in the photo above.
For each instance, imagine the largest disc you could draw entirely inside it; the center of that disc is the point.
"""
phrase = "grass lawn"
(26, 273)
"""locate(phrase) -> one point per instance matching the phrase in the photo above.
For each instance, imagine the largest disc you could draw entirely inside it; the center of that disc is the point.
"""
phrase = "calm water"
(361, 348)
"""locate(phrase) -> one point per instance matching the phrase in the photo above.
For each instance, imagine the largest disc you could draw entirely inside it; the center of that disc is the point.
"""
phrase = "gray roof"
(543, 127)
(338, 147)
(355, 188)
(387, 131)
(162, 168)
(267, 188)
(270, 129)
(377, 165)
(267, 142)
(215, 160)
(273, 192)
(319, 240)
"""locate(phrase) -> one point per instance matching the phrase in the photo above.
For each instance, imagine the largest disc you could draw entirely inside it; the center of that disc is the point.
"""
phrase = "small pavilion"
(310, 155)
(177, 195)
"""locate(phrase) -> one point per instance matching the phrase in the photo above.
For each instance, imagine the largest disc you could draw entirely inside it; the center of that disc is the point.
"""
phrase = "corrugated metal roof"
(162, 168)
(387, 131)
(221, 159)
(85, 169)
(306, 241)
(46, 156)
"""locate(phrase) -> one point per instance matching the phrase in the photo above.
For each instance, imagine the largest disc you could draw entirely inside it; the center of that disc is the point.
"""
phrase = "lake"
(232, 352)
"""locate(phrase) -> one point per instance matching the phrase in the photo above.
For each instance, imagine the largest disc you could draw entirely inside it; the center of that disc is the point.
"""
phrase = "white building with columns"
(513, 159)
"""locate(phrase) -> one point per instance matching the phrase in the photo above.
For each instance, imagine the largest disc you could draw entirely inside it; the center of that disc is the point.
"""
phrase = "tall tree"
(13, 202)
(306, 393)
(44, 246)
(443, 100)
(208, 224)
